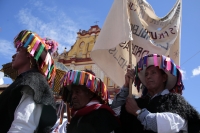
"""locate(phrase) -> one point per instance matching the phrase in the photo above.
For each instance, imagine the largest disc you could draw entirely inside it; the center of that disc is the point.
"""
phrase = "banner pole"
(61, 113)
(68, 113)
(130, 63)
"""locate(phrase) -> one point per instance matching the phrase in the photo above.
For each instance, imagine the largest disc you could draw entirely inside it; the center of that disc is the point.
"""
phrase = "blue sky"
(61, 20)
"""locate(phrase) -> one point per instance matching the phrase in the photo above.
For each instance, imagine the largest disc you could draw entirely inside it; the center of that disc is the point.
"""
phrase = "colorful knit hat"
(174, 81)
(40, 49)
(93, 83)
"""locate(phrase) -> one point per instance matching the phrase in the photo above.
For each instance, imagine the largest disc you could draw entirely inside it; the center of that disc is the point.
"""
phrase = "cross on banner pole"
(96, 22)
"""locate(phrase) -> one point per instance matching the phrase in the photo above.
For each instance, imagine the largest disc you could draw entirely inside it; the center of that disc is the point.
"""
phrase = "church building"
(78, 57)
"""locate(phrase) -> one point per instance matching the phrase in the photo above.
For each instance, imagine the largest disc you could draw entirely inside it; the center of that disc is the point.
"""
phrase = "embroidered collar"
(164, 92)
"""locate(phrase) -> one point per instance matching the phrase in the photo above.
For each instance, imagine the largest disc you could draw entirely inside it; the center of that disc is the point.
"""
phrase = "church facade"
(78, 57)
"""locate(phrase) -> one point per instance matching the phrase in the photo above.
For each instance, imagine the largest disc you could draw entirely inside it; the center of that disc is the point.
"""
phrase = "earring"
(30, 64)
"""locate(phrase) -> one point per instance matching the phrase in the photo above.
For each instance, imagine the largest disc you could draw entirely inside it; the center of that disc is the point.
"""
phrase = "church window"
(82, 44)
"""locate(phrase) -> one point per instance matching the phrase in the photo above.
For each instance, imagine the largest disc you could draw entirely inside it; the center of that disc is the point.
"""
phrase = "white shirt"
(166, 122)
(170, 122)
(26, 116)
(60, 128)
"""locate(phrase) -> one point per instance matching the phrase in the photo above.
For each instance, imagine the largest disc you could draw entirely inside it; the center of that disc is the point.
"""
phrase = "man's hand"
(129, 75)
(131, 106)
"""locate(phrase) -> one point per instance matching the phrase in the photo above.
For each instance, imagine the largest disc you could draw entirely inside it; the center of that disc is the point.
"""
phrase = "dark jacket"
(98, 121)
(12, 95)
(173, 103)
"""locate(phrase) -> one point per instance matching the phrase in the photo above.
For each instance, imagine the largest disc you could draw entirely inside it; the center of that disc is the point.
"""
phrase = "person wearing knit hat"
(89, 98)
(28, 105)
(161, 108)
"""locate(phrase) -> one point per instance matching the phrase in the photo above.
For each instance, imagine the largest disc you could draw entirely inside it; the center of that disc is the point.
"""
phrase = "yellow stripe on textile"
(44, 69)
(25, 36)
(30, 47)
(90, 76)
(83, 78)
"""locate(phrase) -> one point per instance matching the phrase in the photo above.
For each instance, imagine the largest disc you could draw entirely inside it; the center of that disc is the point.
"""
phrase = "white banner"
(136, 21)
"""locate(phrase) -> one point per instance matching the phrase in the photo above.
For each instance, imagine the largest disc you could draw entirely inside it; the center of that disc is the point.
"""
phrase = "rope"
(190, 57)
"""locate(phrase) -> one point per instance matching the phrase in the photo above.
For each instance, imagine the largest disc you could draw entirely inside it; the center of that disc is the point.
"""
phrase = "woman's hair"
(90, 71)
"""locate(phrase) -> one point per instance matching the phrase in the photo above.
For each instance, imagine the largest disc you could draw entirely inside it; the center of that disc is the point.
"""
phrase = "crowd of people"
(28, 104)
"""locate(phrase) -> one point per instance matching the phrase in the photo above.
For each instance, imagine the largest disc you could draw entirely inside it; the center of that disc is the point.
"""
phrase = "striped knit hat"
(174, 81)
(40, 49)
(93, 83)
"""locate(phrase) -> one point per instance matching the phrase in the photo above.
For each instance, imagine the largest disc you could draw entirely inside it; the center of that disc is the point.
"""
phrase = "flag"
(136, 21)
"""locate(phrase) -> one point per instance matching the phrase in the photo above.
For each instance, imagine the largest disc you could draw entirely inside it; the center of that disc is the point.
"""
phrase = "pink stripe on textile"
(155, 60)
(35, 47)
(168, 64)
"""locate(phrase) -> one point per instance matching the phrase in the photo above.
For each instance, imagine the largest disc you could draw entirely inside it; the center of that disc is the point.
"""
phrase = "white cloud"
(1, 81)
(58, 27)
(6, 48)
(183, 74)
(43, 7)
(1, 78)
(196, 71)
